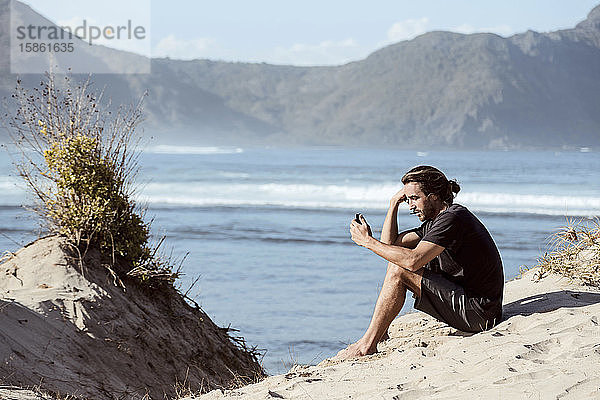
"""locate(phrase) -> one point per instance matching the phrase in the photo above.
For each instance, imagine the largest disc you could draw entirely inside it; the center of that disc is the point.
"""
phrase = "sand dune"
(67, 329)
(547, 347)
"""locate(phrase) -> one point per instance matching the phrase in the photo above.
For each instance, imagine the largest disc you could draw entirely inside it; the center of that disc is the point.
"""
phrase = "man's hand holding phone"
(360, 230)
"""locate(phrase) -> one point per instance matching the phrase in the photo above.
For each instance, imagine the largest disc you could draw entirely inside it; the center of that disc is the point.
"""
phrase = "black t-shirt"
(470, 257)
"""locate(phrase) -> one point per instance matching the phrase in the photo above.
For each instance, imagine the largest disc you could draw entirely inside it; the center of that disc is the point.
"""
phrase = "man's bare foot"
(352, 351)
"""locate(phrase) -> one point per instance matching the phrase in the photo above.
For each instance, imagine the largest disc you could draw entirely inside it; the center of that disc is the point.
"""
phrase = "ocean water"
(267, 229)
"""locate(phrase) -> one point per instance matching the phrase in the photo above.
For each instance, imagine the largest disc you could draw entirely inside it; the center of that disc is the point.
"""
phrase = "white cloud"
(328, 52)
(407, 29)
(502, 30)
(185, 49)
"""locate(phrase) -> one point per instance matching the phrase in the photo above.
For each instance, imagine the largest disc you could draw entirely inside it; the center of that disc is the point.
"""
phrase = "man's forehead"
(413, 188)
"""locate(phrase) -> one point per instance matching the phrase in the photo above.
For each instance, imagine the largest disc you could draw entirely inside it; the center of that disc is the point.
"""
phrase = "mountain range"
(439, 90)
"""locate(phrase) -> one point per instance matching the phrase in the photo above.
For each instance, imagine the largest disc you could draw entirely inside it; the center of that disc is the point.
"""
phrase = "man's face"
(418, 202)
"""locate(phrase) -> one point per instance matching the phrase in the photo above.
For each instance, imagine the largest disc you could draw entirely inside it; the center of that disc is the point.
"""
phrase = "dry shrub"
(575, 252)
(78, 158)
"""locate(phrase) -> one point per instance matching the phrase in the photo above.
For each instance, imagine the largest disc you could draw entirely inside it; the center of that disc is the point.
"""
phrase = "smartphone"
(357, 219)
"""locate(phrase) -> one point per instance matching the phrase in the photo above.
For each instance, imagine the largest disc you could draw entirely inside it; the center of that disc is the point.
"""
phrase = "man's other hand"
(398, 198)
(361, 233)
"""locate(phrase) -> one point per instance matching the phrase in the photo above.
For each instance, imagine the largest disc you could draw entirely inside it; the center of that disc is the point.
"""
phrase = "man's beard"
(428, 211)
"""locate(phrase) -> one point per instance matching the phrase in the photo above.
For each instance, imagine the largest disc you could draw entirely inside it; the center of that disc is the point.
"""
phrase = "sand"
(68, 329)
(547, 347)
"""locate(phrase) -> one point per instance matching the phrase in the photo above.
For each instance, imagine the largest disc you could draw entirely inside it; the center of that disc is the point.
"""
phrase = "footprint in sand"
(527, 377)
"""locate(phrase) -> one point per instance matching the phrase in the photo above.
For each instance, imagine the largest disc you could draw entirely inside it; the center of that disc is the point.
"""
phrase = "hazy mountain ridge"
(439, 89)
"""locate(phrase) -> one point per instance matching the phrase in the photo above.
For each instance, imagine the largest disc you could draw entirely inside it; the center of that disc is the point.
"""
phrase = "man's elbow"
(416, 261)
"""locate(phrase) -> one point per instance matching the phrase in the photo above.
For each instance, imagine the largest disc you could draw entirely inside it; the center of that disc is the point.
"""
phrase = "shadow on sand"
(542, 303)
(547, 302)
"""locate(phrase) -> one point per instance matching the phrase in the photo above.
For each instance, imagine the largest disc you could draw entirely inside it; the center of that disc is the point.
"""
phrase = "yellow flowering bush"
(76, 159)
(89, 200)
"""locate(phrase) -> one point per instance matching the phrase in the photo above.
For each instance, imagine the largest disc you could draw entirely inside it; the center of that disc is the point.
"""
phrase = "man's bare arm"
(407, 258)
(389, 231)
(408, 239)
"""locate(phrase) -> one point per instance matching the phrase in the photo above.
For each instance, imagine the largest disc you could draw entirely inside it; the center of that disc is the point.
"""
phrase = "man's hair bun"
(454, 186)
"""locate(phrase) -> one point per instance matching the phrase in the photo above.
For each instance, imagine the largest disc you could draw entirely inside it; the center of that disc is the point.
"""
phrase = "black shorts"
(448, 302)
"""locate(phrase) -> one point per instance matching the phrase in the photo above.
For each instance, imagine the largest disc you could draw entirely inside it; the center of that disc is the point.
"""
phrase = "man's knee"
(398, 273)
(395, 271)
(409, 279)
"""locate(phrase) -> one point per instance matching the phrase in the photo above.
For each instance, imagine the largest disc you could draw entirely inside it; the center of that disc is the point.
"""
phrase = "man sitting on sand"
(450, 263)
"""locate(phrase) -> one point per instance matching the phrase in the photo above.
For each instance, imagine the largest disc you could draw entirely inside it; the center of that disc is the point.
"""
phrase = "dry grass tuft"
(575, 252)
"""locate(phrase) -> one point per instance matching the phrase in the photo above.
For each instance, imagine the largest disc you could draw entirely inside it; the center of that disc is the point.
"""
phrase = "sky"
(308, 32)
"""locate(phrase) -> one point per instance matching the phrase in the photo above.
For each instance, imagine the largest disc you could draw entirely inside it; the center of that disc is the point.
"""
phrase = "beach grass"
(574, 252)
